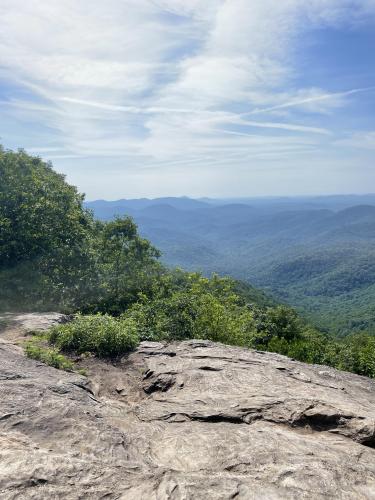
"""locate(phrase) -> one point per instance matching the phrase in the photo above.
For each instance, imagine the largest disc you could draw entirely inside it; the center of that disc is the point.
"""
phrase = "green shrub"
(102, 335)
(357, 354)
(49, 356)
(194, 313)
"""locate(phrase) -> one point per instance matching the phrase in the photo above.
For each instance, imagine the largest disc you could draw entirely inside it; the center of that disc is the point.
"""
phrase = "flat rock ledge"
(187, 420)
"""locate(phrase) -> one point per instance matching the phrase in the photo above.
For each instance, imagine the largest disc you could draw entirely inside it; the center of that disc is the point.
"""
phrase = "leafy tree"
(126, 265)
(53, 253)
(197, 307)
(357, 354)
(283, 322)
(40, 214)
(44, 232)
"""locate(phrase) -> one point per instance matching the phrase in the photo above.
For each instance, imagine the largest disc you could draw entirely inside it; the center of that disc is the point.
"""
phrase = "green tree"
(189, 305)
(127, 266)
(54, 254)
(357, 354)
(44, 233)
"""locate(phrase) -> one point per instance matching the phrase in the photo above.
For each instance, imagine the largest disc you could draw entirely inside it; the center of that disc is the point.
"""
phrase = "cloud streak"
(308, 100)
(156, 83)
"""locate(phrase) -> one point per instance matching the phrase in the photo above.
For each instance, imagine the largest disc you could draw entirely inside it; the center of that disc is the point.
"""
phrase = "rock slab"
(181, 421)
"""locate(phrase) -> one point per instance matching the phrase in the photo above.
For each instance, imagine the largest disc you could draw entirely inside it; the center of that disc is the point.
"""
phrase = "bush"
(51, 357)
(357, 354)
(99, 334)
(195, 312)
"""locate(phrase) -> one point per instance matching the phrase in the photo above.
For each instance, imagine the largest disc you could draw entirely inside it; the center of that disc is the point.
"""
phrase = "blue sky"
(134, 98)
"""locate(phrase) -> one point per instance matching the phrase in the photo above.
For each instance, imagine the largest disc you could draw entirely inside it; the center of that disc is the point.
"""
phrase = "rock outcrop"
(189, 420)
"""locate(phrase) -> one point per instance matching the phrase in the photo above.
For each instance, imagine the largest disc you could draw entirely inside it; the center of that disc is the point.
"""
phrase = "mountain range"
(314, 253)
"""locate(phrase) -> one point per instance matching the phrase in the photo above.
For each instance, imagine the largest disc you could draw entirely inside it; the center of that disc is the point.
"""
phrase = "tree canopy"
(40, 214)
(52, 251)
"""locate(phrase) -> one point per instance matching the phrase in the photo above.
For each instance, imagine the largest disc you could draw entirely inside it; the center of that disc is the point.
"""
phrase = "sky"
(220, 98)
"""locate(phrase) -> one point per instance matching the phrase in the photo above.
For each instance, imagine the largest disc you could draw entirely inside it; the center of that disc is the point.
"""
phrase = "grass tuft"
(49, 356)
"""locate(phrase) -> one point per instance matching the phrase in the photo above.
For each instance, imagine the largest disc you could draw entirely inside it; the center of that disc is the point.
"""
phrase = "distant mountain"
(317, 254)
(108, 209)
(333, 202)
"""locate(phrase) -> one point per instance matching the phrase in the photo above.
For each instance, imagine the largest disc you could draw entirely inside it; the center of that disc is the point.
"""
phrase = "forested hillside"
(316, 254)
(54, 254)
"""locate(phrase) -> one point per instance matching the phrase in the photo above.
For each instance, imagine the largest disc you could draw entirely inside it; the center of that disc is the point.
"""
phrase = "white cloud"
(168, 80)
(312, 100)
(286, 126)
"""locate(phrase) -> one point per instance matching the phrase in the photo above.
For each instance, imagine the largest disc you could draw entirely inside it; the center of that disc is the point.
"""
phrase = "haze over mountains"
(315, 253)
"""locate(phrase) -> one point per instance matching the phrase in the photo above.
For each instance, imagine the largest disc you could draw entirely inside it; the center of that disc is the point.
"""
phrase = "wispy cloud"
(131, 109)
(287, 126)
(334, 98)
(157, 83)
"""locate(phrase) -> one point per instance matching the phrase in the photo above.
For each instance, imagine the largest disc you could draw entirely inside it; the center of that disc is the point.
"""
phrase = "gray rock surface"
(189, 420)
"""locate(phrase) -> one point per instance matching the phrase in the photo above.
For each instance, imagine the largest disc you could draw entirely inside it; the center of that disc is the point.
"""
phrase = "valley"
(316, 254)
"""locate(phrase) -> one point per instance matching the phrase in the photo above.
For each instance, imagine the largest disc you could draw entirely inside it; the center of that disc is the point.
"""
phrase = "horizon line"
(250, 197)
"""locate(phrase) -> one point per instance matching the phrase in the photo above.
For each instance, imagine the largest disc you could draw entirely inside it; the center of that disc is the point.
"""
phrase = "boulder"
(188, 420)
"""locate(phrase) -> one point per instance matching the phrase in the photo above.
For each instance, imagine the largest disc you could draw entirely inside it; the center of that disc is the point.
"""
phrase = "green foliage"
(190, 306)
(49, 356)
(358, 354)
(52, 252)
(280, 321)
(333, 286)
(39, 212)
(355, 353)
(44, 234)
(252, 295)
(102, 335)
(126, 267)
(194, 307)
(318, 260)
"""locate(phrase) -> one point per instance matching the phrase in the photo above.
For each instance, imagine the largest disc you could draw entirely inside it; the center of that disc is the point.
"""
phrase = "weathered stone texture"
(189, 420)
